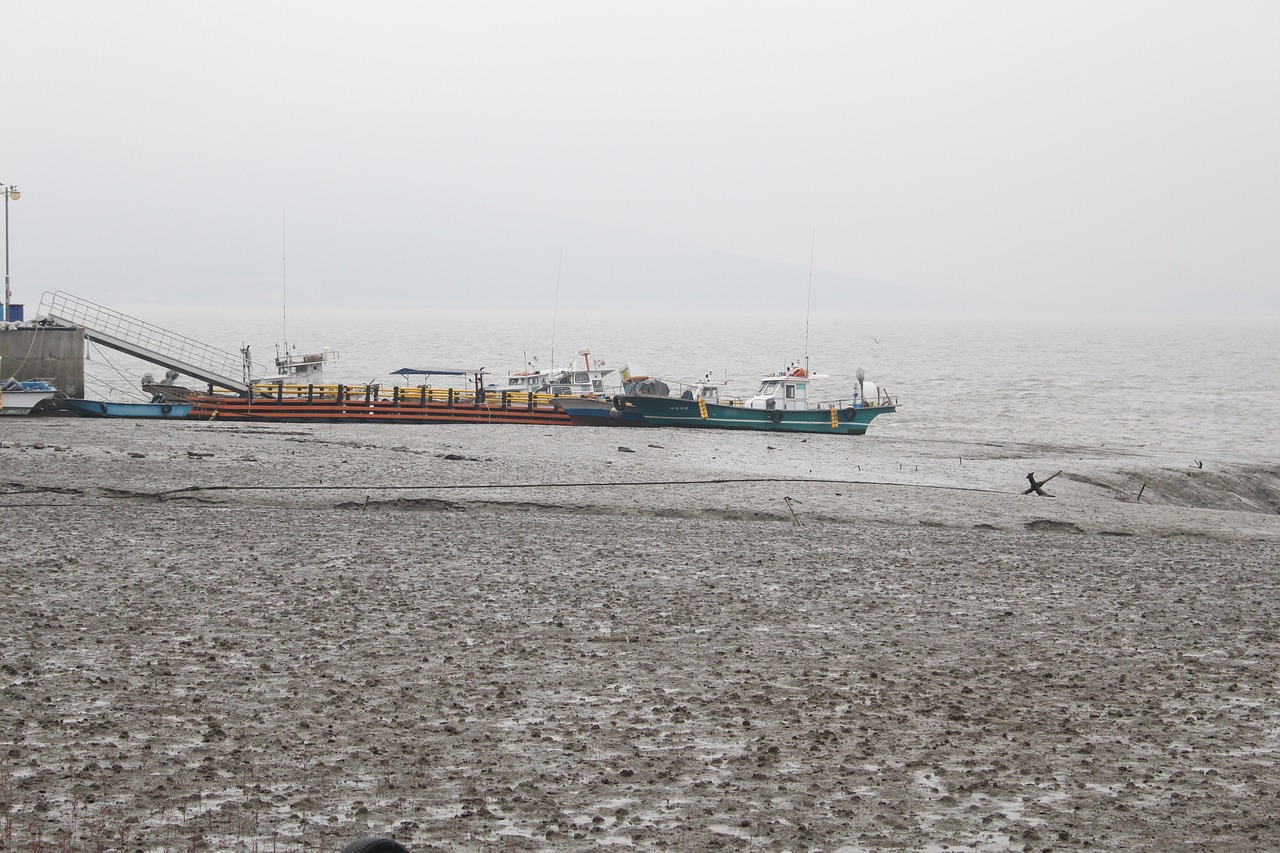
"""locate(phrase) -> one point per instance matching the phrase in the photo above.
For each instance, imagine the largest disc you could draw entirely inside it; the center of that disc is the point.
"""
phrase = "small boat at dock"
(109, 409)
(20, 398)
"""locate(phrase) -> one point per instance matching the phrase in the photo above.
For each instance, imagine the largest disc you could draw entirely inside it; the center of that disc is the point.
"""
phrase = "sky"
(1093, 157)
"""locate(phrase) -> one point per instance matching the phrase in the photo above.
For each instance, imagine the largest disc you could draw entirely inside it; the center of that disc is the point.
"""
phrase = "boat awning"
(432, 371)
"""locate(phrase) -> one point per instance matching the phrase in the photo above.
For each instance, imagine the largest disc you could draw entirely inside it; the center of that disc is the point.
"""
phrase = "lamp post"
(10, 191)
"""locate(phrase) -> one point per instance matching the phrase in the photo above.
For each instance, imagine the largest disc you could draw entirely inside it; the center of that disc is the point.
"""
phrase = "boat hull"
(22, 402)
(666, 411)
(105, 409)
(584, 411)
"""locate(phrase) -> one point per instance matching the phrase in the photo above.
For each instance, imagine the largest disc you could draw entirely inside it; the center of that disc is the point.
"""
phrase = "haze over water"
(1187, 388)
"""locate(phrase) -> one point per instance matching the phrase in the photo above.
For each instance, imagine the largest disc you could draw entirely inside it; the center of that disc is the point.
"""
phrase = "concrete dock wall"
(44, 353)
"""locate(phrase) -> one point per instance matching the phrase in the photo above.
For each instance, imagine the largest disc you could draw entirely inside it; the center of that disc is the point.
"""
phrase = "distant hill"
(520, 260)
(476, 259)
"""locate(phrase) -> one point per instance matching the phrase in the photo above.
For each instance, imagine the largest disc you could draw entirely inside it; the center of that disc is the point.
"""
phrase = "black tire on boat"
(619, 403)
(102, 407)
(374, 845)
(166, 409)
(848, 413)
(775, 416)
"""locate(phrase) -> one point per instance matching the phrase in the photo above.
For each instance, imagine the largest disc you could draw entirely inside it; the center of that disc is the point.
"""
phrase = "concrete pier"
(54, 354)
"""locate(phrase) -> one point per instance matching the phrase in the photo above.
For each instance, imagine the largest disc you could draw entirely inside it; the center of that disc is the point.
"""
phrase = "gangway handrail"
(145, 340)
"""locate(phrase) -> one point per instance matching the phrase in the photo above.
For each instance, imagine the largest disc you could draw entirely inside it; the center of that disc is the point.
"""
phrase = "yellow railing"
(407, 394)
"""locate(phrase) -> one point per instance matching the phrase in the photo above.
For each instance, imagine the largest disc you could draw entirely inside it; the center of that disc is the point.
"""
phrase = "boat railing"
(406, 395)
(882, 399)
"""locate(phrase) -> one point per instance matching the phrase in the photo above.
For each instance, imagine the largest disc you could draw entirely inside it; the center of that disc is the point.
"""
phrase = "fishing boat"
(529, 381)
(295, 367)
(109, 409)
(20, 398)
(592, 378)
(612, 411)
(782, 404)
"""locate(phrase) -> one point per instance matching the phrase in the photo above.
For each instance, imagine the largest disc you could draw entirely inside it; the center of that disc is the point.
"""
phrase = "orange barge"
(375, 404)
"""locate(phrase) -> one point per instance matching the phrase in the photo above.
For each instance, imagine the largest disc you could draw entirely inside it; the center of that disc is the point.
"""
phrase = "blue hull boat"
(588, 411)
(105, 409)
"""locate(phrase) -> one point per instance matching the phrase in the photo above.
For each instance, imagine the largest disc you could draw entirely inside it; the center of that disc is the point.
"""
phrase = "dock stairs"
(147, 342)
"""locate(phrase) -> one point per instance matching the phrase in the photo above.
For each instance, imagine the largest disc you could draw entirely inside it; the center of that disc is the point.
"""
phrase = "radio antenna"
(555, 307)
(809, 299)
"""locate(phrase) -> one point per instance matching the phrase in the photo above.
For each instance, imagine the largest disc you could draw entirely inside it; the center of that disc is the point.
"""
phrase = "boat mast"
(284, 289)
(809, 300)
(555, 307)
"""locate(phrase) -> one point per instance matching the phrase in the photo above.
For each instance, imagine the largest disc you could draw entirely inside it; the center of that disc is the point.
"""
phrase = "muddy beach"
(285, 637)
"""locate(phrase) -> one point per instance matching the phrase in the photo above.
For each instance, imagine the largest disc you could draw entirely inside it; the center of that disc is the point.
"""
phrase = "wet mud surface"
(364, 637)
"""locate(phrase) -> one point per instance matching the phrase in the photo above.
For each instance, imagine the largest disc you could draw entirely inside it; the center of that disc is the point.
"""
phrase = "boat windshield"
(767, 389)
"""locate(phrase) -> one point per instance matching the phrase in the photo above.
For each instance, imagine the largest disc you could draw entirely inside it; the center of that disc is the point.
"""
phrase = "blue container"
(15, 313)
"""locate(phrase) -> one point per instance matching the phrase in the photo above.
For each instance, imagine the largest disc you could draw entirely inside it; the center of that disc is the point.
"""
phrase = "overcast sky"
(1022, 155)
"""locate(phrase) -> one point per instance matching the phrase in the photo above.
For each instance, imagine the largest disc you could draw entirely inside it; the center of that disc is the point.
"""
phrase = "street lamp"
(10, 191)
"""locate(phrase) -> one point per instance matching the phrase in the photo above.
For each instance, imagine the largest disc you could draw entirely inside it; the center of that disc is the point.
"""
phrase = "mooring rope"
(608, 484)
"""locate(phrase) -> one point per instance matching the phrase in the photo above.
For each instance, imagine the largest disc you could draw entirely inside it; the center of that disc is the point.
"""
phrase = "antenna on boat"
(555, 306)
(284, 288)
(809, 300)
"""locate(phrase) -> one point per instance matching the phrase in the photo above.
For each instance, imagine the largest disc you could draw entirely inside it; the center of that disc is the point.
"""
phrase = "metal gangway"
(145, 341)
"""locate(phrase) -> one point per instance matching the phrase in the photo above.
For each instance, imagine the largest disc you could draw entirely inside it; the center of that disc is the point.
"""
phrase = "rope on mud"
(464, 486)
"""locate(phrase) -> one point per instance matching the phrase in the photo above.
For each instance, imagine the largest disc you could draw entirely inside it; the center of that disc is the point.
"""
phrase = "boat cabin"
(788, 391)
(704, 390)
(781, 392)
(581, 383)
(531, 382)
(305, 367)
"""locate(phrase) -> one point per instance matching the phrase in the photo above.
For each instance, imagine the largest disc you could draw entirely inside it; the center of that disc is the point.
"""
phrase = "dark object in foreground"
(374, 845)
(1037, 486)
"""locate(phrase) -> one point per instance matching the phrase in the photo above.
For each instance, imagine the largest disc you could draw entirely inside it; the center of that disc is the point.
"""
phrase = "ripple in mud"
(1044, 525)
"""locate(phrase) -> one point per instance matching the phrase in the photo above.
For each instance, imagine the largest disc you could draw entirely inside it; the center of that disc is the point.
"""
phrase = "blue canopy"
(414, 371)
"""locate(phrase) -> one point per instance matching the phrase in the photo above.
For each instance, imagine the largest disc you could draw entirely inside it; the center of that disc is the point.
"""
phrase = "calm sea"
(1198, 388)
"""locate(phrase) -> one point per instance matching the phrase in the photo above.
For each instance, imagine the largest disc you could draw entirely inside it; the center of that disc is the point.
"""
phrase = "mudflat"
(250, 637)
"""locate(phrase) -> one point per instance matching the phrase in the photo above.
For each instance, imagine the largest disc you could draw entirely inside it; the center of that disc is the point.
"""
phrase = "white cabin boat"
(19, 398)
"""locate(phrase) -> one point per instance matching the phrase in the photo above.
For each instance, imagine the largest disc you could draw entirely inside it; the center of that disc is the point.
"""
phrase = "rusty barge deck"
(375, 404)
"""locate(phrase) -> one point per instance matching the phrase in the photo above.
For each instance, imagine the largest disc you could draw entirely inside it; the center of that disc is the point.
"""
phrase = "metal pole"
(6, 254)
(9, 190)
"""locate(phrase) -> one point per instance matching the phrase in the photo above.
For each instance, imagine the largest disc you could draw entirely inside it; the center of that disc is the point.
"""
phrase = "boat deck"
(374, 403)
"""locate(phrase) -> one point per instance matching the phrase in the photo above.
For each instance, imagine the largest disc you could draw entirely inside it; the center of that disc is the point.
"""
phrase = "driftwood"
(1037, 486)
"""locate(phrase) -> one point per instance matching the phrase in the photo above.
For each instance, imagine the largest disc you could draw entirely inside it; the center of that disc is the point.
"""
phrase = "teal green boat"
(781, 405)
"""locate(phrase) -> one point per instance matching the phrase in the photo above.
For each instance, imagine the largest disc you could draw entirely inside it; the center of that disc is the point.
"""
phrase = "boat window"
(597, 385)
(791, 391)
(581, 379)
(768, 389)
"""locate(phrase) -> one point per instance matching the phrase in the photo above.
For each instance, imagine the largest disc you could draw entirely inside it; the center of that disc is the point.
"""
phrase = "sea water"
(1191, 387)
